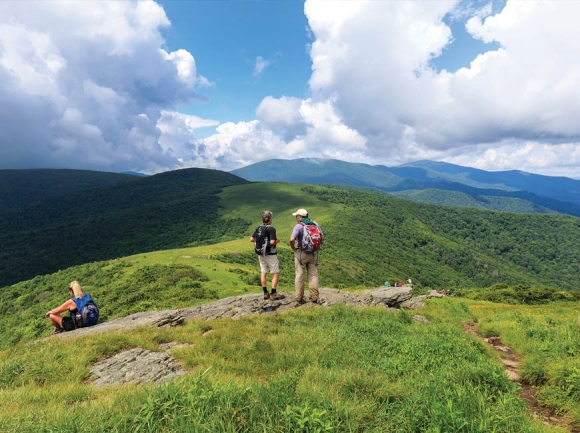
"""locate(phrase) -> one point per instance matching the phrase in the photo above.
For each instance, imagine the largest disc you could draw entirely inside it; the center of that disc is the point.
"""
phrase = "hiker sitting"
(82, 309)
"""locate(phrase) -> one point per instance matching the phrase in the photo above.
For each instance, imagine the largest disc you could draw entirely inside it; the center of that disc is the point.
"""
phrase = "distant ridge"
(513, 190)
(135, 173)
(24, 187)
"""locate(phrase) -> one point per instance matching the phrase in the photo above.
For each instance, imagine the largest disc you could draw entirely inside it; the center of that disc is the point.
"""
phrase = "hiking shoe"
(315, 301)
(300, 301)
(275, 296)
(56, 331)
(266, 295)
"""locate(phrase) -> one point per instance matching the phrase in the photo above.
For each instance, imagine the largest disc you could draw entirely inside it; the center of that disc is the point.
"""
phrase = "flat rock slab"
(146, 318)
(136, 366)
(240, 306)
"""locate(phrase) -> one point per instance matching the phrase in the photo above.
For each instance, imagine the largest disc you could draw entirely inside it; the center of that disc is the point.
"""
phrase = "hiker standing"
(265, 240)
(305, 241)
(82, 307)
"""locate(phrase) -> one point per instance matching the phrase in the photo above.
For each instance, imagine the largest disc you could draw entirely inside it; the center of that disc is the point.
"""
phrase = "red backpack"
(311, 237)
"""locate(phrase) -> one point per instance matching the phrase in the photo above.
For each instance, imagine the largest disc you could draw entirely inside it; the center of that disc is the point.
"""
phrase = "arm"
(294, 236)
(275, 239)
(68, 305)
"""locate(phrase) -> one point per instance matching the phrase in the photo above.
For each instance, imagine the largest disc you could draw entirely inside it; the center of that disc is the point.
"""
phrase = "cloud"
(512, 107)
(92, 85)
(285, 128)
(260, 66)
(87, 82)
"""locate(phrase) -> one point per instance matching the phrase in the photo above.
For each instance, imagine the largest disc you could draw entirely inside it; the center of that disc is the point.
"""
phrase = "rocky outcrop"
(139, 365)
(136, 366)
(146, 318)
(417, 301)
(240, 306)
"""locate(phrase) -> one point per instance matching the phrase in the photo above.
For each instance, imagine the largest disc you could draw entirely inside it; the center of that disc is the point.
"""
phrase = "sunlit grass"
(336, 369)
(547, 339)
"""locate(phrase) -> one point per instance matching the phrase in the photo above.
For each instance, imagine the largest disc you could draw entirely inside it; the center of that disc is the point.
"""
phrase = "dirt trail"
(510, 361)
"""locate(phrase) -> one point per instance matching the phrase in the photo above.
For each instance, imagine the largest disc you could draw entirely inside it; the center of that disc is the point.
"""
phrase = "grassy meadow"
(310, 370)
(307, 370)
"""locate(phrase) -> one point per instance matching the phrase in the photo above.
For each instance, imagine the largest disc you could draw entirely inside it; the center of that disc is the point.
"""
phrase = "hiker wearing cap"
(306, 239)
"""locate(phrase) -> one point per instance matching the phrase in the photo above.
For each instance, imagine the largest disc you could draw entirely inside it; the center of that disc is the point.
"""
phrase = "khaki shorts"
(269, 264)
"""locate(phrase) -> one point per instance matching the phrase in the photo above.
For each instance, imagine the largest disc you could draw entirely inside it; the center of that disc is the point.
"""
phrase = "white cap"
(301, 212)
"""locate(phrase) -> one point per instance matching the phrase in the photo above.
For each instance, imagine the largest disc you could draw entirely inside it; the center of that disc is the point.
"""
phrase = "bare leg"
(275, 279)
(56, 320)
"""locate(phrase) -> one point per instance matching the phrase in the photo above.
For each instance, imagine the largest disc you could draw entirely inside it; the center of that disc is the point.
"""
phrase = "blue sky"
(153, 86)
(227, 37)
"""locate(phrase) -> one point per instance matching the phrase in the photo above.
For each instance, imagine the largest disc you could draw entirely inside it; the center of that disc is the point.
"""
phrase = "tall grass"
(310, 370)
(547, 338)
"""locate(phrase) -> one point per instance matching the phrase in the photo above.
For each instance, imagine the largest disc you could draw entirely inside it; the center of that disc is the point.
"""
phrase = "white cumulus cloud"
(83, 85)
(92, 85)
(374, 97)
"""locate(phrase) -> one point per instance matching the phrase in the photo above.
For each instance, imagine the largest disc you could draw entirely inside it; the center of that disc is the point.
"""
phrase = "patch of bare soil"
(510, 361)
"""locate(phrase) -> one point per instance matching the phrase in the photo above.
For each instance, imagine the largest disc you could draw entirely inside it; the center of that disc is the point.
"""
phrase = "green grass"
(336, 369)
(547, 337)
(333, 369)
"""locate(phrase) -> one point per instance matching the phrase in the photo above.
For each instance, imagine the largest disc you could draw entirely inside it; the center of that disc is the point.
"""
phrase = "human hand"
(47, 315)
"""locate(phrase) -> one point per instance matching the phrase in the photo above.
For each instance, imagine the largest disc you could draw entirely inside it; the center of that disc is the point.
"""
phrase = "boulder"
(391, 296)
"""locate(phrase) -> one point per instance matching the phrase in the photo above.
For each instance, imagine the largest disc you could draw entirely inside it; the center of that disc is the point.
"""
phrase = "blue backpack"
(87, 311)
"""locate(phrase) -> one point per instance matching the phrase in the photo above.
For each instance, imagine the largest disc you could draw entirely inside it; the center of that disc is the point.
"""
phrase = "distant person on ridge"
(83, 311)
(265, 240)
(305, 241)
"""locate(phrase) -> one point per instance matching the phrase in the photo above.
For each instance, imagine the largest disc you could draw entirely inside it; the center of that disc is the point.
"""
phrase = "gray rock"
(140, 366)
(159, 319)
(412, 304)
(392, 296)
(240, 306)
(420, 318)
(135, 366)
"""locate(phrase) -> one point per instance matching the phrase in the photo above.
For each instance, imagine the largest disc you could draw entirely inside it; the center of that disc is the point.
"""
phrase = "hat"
(301, 212)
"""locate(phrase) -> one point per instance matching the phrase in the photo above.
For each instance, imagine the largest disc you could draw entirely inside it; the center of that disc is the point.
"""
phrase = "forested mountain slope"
(378, 236)
(168, 210)
(556, 187)
(24, 187)
(371, 237)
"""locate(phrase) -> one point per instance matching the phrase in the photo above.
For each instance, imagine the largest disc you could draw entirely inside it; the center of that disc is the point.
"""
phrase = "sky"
(151, 86)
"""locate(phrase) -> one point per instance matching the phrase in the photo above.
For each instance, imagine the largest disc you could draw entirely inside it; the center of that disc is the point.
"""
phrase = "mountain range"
(75, 217)
(431, 182)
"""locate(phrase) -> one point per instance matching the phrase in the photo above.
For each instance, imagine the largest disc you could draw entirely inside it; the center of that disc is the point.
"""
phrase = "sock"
(265, 289)
(273, 290)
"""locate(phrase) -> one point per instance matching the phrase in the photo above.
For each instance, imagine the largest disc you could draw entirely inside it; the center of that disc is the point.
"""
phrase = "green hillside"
(370, 239)
(168, 210)
(312, 369)
(332, 369)
(461, 199)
